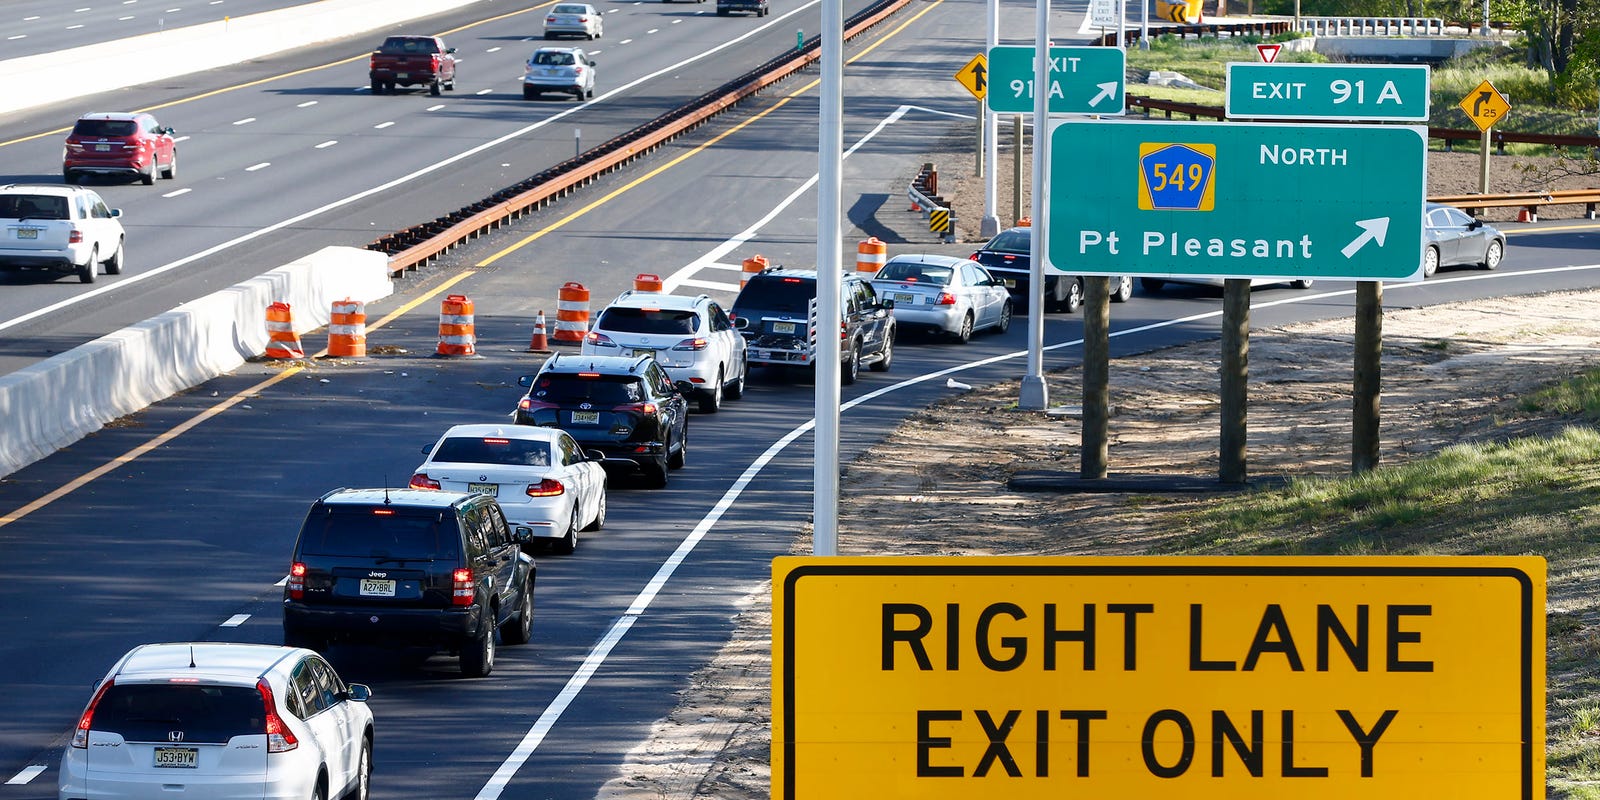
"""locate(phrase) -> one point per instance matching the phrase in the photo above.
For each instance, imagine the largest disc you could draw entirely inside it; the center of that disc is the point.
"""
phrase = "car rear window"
(1011, 242)
(775, 293)
(153, 712)
(396, 46)
(33, 206)
(105, 127)
(569, 10)
(919, 273)
(552, 58)
(568, 389)
(648, 320)
(493, 450)
(363, 532)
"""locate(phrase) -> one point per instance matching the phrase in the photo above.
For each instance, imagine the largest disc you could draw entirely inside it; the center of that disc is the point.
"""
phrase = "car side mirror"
(525, 381)
(116, 212)
(684, 387)
(358, 692)
(741, 323)
(449, 51)
(168, 130)
(888, 303)
(1474, 224)
(523, 536)
(594, 455)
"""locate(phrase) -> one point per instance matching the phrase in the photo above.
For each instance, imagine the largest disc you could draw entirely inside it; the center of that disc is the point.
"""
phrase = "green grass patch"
(1577, 397)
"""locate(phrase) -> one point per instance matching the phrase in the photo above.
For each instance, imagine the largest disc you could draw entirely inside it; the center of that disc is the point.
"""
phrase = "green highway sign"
(1236, 200)
(1083, 80)
(1347, 92)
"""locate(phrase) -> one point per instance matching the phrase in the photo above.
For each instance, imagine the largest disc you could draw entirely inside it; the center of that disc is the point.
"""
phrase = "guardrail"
(419, 244)
(1215, 29)
(924, 195)
(1528, 201)
(1371, 26)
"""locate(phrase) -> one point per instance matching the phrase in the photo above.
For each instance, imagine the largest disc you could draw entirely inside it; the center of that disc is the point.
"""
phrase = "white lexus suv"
(218, 720)
(691, 337)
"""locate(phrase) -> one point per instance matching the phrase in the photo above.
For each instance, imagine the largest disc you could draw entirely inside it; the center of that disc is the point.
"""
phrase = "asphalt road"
(145, 532)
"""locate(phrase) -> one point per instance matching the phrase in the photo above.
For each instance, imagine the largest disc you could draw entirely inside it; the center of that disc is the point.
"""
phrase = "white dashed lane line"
(175, 193)
(235, 621)
(329, 143)
(245, 121)
(441, 105)
(27, 774)
(254, 167)
(306, 104)
(380, 126)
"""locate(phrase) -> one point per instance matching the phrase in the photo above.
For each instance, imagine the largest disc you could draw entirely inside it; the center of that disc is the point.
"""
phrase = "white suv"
(209, 720)
(60, 228)
(691, 337)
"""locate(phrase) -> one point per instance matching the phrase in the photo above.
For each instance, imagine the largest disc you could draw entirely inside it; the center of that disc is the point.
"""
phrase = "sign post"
(1248, 678)
(1485, 106)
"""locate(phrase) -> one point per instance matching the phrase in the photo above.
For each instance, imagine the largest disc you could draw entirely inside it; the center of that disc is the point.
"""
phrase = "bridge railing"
(1371, 26)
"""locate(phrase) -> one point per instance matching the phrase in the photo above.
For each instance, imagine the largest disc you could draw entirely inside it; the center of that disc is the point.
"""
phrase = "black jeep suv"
(777, 313)
(409, 567)
(625, 407)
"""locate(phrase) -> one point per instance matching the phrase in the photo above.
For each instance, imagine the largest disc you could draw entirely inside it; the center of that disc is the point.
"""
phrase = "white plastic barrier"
(54, 403)
(52, 77)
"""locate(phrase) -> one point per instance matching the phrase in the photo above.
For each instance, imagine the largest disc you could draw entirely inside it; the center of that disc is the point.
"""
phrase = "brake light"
(279, 738)
(422, 481)
(75, 237)
(530, 404)
(588, 374)
(697, 343)
(598, 339)
(648, 409)
(372, 62)
(80, 737)
(461, 594)
(549, 487)
(945, 299)
(791, 280)
(973, 257)
(434, 61)
(495, 440)
(549, 19)
(383, 512)
(297, 580)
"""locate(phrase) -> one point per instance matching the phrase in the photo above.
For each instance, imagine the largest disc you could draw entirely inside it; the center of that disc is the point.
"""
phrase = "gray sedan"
(953, 296)
(1451, 237)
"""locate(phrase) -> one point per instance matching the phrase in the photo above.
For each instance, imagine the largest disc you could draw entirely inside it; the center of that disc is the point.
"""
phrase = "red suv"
(119, 144)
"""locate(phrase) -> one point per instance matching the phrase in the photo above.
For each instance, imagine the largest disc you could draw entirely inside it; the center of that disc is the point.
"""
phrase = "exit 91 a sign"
(1158, 677)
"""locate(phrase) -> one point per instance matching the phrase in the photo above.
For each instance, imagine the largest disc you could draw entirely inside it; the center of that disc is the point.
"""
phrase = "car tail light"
(973, 257)
(530, 404)
(598, 339)
(945, 299)
(549, 487)
(461, 593)
(422, 481)
(279, 738)
(647, 409)
(372, 62)
(577, 70)
(75, 237)
(80, 737)
(434, 61)
(297, 580)
(549, 19)
(697, 343)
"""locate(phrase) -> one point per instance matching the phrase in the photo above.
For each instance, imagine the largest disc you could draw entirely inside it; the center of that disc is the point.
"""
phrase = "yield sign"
(1269, 52)
(975, 76)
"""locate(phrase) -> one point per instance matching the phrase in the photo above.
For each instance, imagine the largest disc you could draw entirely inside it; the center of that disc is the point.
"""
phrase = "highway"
(177, 523)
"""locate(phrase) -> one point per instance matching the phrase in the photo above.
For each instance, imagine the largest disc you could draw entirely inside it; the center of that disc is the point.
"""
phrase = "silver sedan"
(1452, 237)
(574, 19)
(953, 296)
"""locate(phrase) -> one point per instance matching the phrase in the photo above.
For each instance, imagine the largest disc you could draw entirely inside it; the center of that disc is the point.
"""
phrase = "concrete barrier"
(53, 77)
(56, 402)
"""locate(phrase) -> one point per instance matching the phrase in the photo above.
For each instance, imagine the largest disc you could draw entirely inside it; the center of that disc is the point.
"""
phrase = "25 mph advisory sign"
(1310, 678)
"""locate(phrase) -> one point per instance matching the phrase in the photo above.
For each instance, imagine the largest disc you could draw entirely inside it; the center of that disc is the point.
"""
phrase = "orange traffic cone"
(540, 342)
(1524, 216)
(282, 341)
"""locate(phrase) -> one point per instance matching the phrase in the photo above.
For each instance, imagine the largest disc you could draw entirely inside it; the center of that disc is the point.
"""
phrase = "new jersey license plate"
(373, 587)
(783, 327)
(490, 489)
(27, 233)
(180, 757)
(586, 418)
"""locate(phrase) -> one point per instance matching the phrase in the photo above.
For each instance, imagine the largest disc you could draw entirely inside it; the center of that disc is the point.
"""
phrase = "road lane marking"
(184, 190)
(254, 167)
(234, 621)
(329, 143)
(27, 774)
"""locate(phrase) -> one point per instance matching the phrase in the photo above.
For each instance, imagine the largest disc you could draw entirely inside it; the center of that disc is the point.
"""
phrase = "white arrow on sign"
(1370, 229)
(1107, 90)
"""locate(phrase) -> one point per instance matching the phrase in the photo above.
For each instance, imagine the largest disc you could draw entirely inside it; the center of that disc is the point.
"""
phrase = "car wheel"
(68, 176)
(519, 629)
(590, 93)
(434, 88)
(113, 264)
(319, 792)
(148, 176)
(450, 85)
(680, 459)
(711, 398)
(1005, 318)
(1121, 289)
(1430, 261)
(1074, 295)
(1301, 284)
(735, 390)
(600, 512)
(363, 787)
(963, 334)
(86, 269)
(529, 94)
(477, 655)
(388, 87)
(377, 87)
(1151, 285)
(655, 474)
(882, 364)
(1492, 256)
(722, 12)
(171, 172)
(850, 370)
(566, 544)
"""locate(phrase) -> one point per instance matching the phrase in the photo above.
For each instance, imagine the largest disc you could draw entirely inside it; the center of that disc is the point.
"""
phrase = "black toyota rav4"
(409, 567)
(777, 313)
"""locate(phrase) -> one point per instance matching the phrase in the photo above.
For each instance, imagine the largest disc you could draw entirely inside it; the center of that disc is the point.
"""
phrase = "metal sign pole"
(1035, 396)
(990, 224)
(830, 204)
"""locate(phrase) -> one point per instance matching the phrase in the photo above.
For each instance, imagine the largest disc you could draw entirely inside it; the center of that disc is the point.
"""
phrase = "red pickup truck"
(413, 61)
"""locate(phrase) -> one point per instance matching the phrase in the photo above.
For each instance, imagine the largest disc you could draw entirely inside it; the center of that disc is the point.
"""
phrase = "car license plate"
(490, 489)
(586, 418)
(102, 148)
(783, 327)
(901, 297)
(372, 587)
(400, 76)
(1011, 283)
(181, 757)
(27, 233)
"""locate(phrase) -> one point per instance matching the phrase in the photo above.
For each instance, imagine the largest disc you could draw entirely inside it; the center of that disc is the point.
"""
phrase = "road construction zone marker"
(347, 329)
(752, 265)
(539, 343)
(282, 341)
(647, 282)
(940, 221)
(572, 312)
(457, 336)
(871, 255)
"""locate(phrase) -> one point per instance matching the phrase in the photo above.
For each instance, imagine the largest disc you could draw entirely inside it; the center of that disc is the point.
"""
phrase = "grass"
(1525, 496)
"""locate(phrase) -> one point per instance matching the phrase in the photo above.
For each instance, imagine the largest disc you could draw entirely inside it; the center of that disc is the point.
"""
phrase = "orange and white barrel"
(282, 341)
(646, 282)
(347, 329)
(870, 256)
(1025, 222)
(572, 312)
(752, 265)
(457, 336)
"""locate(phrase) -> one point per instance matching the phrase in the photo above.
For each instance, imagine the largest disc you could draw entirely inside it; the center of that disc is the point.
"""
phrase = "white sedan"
(548, 487)
(574, 19)
(953, 296)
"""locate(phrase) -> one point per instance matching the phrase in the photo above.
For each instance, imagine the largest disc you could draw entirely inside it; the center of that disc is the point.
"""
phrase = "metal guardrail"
(924, 195)
(1215, 29)
(1371, 26)
(421, 243)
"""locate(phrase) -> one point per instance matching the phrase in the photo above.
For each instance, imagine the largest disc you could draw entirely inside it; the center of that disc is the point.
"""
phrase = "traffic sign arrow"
(1108, 90)
(1371, 230)
(1477, 104)
(980, 78)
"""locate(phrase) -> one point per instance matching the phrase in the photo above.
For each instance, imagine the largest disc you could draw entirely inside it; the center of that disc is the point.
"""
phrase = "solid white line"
(234, 621)
(27, 774)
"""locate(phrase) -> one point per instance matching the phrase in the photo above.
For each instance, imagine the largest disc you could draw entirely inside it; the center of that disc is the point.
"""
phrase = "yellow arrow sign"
(1485, 105)
(975, 76)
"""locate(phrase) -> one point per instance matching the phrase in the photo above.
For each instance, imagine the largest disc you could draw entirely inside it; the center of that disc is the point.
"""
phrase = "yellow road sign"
(975, 76)
(1485, 105)
(1248, 678)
